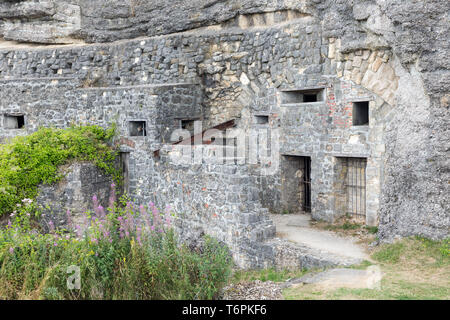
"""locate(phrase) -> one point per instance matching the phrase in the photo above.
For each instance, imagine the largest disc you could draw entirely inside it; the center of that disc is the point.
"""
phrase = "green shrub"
(26, 162)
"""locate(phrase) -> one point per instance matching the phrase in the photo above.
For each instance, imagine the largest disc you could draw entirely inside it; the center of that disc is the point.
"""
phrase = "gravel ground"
(254, 290)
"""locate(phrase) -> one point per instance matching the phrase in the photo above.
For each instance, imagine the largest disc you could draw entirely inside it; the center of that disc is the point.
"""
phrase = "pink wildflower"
(95, 201)
(112, 197)
(51, 225)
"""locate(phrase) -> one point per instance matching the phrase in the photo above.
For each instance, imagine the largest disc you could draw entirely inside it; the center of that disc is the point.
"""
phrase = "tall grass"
(122, 253)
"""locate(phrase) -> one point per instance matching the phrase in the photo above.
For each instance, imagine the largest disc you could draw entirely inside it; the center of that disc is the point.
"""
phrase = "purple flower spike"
(69, 219)
(112, 197)
(95, 203)
(100, 211)
(51, 225)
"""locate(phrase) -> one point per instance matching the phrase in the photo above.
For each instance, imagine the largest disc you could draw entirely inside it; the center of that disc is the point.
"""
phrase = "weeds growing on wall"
(122, 252)
(26, 162)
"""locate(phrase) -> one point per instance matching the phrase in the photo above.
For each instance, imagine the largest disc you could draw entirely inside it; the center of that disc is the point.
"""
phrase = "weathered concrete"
(341, 278)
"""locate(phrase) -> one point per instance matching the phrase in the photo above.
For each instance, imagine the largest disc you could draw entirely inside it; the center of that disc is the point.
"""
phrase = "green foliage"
(26, 162)
(439, 250)
(445, 248)
(122, 254)
(373, 230)
(415, 247)
(350, 226)
(169, 271)
(390, 253)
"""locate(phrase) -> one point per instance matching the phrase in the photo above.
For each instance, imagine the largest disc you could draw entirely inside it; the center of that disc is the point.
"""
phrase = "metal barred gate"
(356, 187)
(307, 184)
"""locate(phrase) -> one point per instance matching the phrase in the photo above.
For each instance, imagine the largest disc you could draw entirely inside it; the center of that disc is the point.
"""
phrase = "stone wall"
(73, 194)
(242, 66)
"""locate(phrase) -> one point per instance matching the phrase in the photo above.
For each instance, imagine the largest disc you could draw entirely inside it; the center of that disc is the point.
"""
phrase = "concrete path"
(296, 228)
(341, 278)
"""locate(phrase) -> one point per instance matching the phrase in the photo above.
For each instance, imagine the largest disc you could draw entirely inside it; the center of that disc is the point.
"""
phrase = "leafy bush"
(26, 162)
(122, 252)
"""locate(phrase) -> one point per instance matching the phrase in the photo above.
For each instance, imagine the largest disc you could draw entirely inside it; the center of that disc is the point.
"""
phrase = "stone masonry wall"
(243, 65)
(73, 194)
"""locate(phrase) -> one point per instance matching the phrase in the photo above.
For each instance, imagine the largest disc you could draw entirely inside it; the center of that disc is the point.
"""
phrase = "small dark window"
(310, 97)
(361, 113)
(302, 96)
(138, 128)
(262, 119)
(14, 121)
(187, 124)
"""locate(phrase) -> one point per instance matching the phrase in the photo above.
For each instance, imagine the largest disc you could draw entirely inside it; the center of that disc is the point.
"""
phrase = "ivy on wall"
(26, 162)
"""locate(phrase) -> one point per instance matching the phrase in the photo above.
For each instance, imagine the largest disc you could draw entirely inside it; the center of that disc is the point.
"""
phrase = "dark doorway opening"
(296, 184)
(124, 167)
(307, 184)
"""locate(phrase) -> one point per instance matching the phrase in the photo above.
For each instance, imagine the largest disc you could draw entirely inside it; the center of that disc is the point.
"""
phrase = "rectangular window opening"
(361, 113)
(14, 121)
(138, 128)
(187, 124)
(302, 96)
(262, 119)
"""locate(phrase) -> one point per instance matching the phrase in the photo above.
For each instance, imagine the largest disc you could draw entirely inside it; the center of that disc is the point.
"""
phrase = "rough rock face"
(39, 21)
(415, 185)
